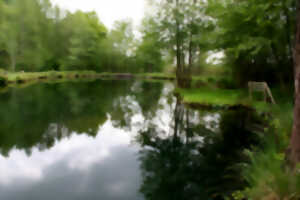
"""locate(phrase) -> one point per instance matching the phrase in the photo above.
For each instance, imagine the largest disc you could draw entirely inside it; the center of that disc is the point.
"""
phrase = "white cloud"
(108, 10)
(77, 149)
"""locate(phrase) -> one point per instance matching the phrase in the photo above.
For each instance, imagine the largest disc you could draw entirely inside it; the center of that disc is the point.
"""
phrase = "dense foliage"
(256, 37)
(35, 36)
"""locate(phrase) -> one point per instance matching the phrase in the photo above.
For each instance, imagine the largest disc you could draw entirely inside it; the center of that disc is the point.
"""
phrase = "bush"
(211, 80)
(226, 83)
(269, 179)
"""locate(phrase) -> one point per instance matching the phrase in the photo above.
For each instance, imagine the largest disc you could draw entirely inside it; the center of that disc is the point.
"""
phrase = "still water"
(111, 140)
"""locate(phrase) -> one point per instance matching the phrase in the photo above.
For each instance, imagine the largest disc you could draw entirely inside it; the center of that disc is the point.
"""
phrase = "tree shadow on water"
(194, 161)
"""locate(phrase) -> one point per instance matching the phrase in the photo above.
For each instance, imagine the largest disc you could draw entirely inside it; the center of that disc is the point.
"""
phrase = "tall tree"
(23, 32)
(180, 22)
(84, 33)
(119, 44)
(294, 154)
(149, 52)
(9, 29)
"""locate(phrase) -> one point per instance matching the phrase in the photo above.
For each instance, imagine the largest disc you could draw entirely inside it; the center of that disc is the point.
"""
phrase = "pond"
(113, 140)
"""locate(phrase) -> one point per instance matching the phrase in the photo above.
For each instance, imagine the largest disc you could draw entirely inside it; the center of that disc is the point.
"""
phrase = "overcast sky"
(108, 10)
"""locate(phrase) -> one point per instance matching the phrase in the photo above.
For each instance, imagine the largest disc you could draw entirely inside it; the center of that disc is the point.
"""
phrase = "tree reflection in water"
(196, 161)
(197, 156)
(40, 115)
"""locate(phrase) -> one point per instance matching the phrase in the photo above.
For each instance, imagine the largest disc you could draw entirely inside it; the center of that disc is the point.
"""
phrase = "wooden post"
(265, 94)
(250, 90)
(261, 87)
(270, 94)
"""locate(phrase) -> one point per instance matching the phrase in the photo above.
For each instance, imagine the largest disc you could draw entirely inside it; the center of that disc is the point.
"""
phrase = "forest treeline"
(255, 36)
(36, 36)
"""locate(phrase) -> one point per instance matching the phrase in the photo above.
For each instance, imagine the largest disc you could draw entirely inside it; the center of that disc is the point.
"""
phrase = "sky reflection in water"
(113, 162)
(82, 166)
(79, 167)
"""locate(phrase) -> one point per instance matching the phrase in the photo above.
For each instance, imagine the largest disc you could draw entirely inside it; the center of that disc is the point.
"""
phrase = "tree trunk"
(179, 59)
(178, 48)
(279, 66)
(288, 34)
(191, 43)
(294, 148)
(183, 78)
(13, 62)
(190, 52)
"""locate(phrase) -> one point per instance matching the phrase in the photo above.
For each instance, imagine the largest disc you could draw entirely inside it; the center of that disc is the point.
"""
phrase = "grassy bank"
(9, 78)
(224, 98)
(282, 112)
(24, 77)
(212, 96)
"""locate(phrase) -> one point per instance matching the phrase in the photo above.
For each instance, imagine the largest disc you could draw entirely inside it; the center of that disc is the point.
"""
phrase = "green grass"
(214, 96)
(209, 94)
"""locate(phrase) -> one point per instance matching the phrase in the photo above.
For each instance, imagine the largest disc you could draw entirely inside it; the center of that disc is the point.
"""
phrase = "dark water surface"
(114, 140)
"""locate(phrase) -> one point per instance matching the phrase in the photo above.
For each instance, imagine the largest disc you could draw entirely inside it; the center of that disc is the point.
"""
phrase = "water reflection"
(79, 168)
(39, 115)
(117, 140)
(196, 161)
(72, 141)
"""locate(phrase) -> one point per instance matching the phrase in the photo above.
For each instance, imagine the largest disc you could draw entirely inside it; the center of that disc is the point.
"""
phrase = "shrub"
(268, 178)
(226, 83)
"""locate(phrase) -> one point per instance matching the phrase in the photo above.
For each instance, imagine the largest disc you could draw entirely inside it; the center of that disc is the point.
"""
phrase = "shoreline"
(12, 78)
(203, 95)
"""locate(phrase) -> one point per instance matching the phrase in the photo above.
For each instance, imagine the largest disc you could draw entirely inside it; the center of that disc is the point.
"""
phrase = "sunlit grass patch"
(213, 96)
(209, 94)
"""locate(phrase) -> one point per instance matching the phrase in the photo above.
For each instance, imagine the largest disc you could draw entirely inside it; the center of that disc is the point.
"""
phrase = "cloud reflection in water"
(79, 167)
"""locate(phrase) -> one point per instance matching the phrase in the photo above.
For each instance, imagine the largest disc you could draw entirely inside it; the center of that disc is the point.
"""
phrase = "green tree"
(117, 51)
(24, 32)
(179, 24)
(149, 50)
(85, 34)
(256, 38)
